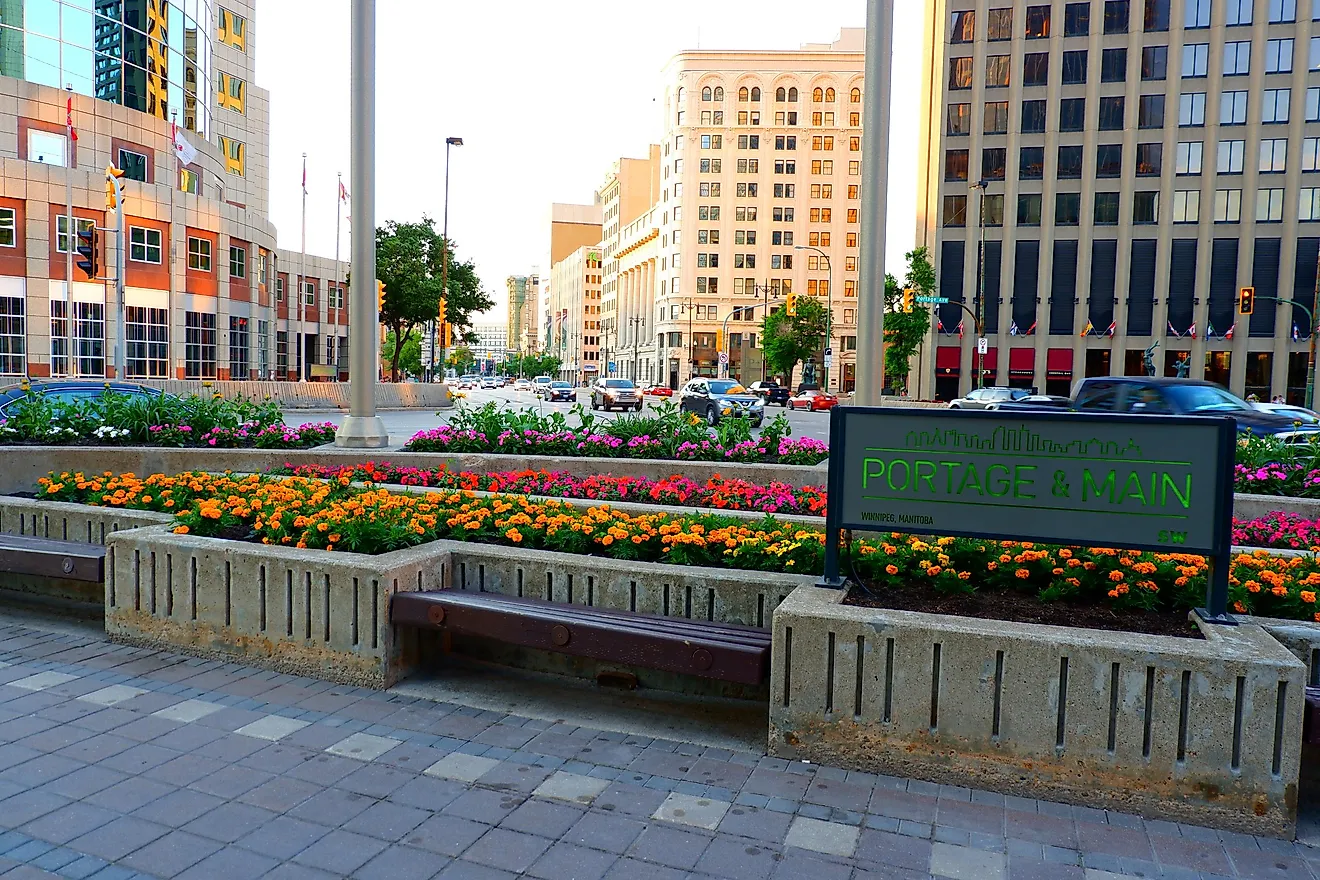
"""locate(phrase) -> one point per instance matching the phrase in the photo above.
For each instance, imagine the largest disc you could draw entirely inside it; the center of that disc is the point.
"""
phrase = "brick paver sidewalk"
(120, 762)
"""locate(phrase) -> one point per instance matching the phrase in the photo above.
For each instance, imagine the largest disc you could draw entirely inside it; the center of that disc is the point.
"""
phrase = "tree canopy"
(904, 331)
(787, 341)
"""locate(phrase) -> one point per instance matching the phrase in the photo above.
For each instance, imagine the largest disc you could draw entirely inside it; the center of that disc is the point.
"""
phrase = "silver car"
(611, 393)
(981, 398)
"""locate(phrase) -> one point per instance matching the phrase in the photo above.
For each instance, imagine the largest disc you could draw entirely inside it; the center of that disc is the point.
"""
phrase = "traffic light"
(440, 312)
(380, 294)
(1246, 300)
(112, 175)
(719, 340)
(790, 303)
(909, 299)
(89, 251)
(448, 335)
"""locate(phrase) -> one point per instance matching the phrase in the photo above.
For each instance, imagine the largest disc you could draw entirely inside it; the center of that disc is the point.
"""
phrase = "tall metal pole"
(121, 244)
(70, 236)
(339, 210)
(444, 266)
(1315, 328)
(980, 186)
(363, 429)
(303, 366)
(875, 128)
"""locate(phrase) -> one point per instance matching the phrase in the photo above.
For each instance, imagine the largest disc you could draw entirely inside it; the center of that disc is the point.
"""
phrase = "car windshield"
(618, 383)
(1203, 398)
(560, 385)
(725, 387)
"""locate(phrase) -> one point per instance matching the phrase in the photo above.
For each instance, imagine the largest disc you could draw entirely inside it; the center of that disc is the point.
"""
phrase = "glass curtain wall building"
(148, 55)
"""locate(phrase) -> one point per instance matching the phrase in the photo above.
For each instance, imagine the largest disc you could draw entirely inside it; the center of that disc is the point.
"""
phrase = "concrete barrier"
(1203, 731)
(313, 395)
(1248, 507)
(24, 465)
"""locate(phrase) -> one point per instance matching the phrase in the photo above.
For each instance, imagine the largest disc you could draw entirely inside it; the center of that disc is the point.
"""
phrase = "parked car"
(715, 399)
(561, 391)
(1157, 395)
(1307, 418)
(981, 398)
(813, 400)
(70, 391)
(540, 384)
(610, 393)
(658, 391)
(770, 391)
(522, 385)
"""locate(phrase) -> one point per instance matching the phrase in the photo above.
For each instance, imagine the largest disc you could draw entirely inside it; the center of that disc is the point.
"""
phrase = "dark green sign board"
(1139, 482)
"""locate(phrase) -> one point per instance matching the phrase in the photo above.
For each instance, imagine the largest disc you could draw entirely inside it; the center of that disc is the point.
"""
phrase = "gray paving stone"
(129, 795)
(280, 794)
(401, 863)
(965, 863)
(427, 793)
(461, 767)
(231, 781)
(446, 835)
(461, 870)
(375, 780)
(735, 859)
(387, 821)
(670, 846)
(483, 805)
(340, 852)
(565, 861)
(632, 869)
(118, 838)
(171, 854)
(230, 863)
(68, 822)
(178, 808)
(230, 822)
(824, 837)
(283, 837)
(895, 850)
(614, 834)
(332, 807)
(542, 818)
(698, 812)
(507, 850)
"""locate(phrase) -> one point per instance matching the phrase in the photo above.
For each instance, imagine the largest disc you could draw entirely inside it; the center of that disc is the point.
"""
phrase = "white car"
(490, 382)
(522, 385)
(540, 384)
(1307, 418)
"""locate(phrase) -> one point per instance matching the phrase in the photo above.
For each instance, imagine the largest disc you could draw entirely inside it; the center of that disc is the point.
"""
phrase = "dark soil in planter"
(1022, 608)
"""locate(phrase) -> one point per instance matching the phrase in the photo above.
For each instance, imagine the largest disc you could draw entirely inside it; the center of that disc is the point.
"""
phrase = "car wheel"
(712, 416)
(954, 406)
(756, 424)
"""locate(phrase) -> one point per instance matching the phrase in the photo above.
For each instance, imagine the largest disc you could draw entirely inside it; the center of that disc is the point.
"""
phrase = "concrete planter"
(303, 611)
(1248, 507)
(1200, 731)
(24, 465)
(313, 395)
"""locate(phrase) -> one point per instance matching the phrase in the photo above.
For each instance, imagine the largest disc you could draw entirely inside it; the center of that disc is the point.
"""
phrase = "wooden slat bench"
(710, 650)
(60, 560)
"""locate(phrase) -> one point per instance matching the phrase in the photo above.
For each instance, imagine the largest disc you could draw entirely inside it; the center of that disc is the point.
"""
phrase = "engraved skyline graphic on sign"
(1021, 440)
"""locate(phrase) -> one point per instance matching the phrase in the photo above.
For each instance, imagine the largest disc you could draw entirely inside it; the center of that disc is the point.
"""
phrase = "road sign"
(611, 366)
(724, 358)
(829, 360)
(982, 346)
(936, 300)
(829, 352)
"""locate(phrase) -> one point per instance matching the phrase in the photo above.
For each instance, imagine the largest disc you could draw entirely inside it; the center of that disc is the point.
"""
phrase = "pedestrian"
(1278, 398)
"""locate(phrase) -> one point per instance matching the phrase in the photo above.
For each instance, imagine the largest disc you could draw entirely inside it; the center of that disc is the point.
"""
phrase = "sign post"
(1161, 483)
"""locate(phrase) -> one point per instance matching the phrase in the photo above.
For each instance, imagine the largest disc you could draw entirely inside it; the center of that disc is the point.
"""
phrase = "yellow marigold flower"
(1116, 575)
(1308, 597)
(1022, 573)
(891, 569)
(180, 530)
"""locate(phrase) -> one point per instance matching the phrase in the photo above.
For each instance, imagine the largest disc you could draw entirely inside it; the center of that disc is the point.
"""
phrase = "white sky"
(546, 96)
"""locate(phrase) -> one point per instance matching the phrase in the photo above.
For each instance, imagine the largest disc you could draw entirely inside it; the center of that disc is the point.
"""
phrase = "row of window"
(1115, 20)
(782, 95)
(820, 142)
(199, 257)
(1074, 67)
(819, 119)
(1186, 208)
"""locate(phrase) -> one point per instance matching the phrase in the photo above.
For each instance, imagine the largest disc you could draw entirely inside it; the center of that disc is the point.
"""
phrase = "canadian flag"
(68, 118)
(186, 152)
(343, 193)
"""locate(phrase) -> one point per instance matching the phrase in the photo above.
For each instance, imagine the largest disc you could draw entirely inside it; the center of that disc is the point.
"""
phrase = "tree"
(410, 261)
(787, 341)
(460, 358)
(530, 365)
(904, 331)
(410, 359)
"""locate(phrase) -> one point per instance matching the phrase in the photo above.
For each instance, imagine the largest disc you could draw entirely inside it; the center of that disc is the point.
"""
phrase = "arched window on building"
(780, 94)
(856, 96)
(818, 94)
(792, 95)
(705, 93)
(742, 94)
(681, 92)
(719, 93)
(756, 95)
(829, 96)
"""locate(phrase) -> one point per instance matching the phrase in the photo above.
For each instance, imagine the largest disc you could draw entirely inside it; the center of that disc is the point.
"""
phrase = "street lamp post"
(980, 187)
(444, 266)
(874, 201)
(829, 305)
(363, 429)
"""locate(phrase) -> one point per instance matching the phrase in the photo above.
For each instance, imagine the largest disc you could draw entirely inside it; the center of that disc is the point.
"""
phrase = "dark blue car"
(69, 391)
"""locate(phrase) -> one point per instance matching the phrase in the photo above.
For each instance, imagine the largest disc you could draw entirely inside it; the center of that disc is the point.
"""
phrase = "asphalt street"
(402, 424)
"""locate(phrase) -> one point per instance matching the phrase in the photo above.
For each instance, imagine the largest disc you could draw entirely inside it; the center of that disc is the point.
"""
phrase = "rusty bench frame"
(725, 652)
(60, 560)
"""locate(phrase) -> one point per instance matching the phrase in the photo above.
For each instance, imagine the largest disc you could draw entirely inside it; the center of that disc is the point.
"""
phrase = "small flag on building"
(1296, 333)
(68, 120)
(186, 152)
(1209, 329)
(960, 329)
(1113, 327)
(1173, 332)
(1229, 334)
(1191, 331)
(343, 193)
(1032, 329)
(1087, 330)
(1013, 329)
(304, 182)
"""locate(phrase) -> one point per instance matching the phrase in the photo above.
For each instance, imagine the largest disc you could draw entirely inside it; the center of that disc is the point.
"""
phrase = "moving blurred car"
(813, 400)
(522, 385)
(658, 391)
(1307, 418)
(610, 393)
(490, 382)
(770, 391)
(1033, 401)
(560, 391)
(981, 398)
(715, 399)
(540, 384)
(70, 391)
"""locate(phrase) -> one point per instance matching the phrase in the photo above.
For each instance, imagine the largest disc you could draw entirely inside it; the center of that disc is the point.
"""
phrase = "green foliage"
(461, 359)
(904, 331)
(788, 341)
(531, 365)
(410, 262)
(410, 360)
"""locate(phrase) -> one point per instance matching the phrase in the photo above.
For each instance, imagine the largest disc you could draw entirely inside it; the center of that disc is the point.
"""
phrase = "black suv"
(1142, 395)
(770, 392)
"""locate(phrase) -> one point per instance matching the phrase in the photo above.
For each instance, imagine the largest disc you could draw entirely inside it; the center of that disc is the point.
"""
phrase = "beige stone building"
(524, 300)
(632, 336)
(204, 278)
(574, 318)
(760, 172)
(631, 190)
(1141, 162)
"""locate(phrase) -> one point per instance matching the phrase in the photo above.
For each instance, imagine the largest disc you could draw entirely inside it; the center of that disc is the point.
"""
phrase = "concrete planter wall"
(1247, 507)
(313, 395)
(24, 465)
(1201, 731)
(78, 523)
(302, 611)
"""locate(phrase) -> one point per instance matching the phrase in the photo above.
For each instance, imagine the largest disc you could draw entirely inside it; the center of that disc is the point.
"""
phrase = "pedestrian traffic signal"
(790, 303)
(1246, 300)
(909, 299)
(440, 312)
(89, 251)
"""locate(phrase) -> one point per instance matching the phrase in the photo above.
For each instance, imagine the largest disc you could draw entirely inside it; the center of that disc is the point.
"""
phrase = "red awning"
(1059, 362)
(1021, 361)
(947, 360)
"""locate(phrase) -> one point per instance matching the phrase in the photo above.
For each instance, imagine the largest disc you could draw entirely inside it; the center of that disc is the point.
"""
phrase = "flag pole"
(339, 211)
(302, 280)
(70, 236)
